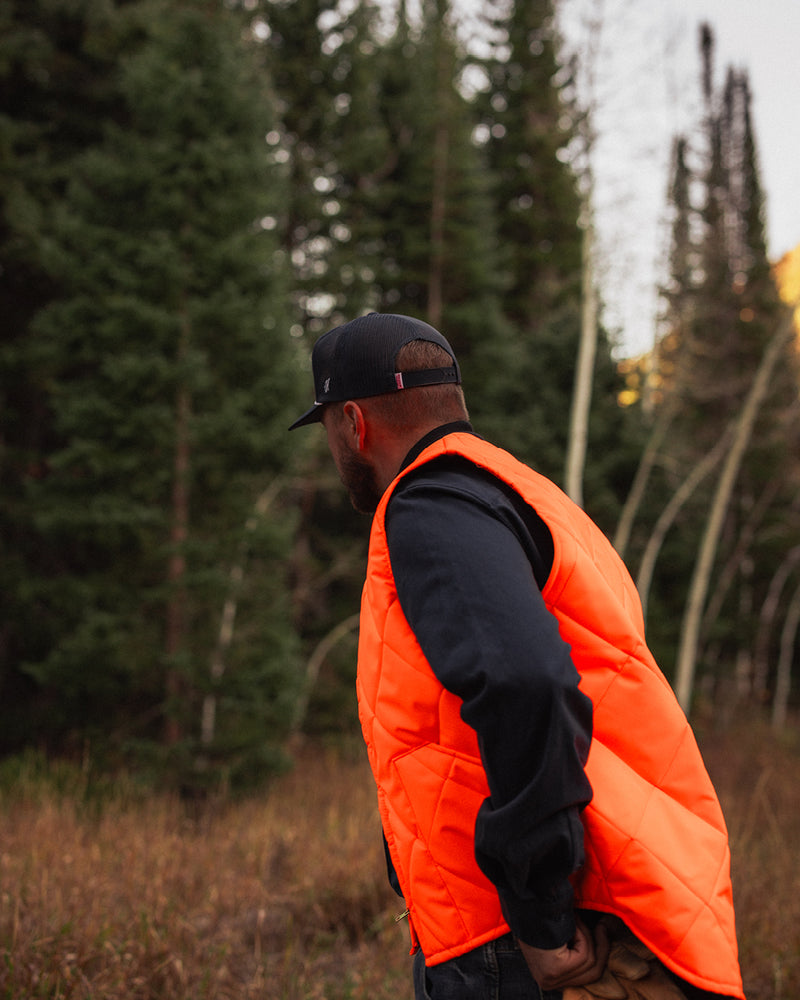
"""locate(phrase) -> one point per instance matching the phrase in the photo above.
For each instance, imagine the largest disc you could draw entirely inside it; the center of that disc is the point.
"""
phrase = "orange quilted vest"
(656, 843)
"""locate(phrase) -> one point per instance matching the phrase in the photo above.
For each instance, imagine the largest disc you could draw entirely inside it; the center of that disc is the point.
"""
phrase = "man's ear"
(355, 424)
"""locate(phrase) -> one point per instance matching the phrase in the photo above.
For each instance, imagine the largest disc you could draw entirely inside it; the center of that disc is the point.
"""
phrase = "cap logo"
(398, 380)
(326, 385)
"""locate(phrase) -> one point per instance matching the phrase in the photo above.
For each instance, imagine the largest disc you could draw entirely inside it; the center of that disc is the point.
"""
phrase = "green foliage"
(529, 128)
(165, 379)
(528, 125)
(90, 785)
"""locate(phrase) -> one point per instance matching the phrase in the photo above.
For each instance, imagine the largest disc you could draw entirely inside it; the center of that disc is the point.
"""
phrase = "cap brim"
(311, 416)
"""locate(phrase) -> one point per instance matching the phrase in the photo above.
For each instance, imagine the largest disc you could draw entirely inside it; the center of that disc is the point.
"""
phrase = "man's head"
(359, 359)
(382, 381)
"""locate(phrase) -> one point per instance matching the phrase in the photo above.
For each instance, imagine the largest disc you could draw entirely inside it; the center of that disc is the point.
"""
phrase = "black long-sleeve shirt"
(469, 559)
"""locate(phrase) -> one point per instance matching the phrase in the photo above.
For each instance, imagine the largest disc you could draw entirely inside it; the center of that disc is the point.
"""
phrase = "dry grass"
(758, 781)
(281, 897)
(284, 896)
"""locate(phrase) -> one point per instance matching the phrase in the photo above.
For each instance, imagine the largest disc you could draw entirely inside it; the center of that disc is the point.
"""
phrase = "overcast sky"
(646, 88)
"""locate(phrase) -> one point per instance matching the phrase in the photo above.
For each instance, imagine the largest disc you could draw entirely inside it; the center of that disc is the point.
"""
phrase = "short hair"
(408, 408)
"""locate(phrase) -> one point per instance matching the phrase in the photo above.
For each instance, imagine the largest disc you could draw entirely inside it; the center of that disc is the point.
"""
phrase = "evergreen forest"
(191, 192)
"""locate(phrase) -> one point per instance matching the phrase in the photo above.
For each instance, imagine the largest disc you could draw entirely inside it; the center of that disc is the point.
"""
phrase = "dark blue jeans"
(495, 971)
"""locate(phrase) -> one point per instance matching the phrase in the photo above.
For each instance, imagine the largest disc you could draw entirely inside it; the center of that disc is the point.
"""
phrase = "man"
(547, 815)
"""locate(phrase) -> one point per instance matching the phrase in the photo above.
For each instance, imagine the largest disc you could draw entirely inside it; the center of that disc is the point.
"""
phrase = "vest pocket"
(441, 792)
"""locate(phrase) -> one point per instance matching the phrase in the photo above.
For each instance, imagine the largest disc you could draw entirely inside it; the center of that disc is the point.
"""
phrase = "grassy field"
(284, 896)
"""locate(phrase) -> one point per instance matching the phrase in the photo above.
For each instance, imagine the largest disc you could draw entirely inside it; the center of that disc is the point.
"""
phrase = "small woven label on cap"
(398, 380)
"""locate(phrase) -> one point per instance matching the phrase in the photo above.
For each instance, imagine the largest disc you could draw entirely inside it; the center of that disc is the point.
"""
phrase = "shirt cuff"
(537, 925)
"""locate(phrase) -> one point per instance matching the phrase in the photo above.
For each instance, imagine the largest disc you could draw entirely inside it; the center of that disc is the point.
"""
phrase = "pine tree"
(439, 247)
(529, 125)
(326, 66)
(678, 291)
(405, 186)
(317, 68)
(56, 66)
(167, 372)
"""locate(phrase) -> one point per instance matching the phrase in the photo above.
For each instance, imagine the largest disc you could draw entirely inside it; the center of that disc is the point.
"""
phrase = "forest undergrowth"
(283, 896)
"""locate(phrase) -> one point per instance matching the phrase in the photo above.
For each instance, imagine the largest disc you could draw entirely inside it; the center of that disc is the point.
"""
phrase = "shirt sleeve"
(462, 563)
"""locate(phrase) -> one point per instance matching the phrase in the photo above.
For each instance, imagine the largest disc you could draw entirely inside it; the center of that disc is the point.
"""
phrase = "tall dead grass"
(281, 897)
(758, 780)
(284, 896)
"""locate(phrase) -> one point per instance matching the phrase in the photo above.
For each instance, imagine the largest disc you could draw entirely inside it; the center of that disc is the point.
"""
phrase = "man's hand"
(632, 972)
(583, 960)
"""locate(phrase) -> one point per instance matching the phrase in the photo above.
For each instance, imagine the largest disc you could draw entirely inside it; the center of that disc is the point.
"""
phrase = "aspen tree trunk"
(766, 619)
(315, 661)
(582, 392)
(783, 680)
(738, 556)
(584, 372)
(670, 512)
(636, 493)
(229, 609)
(690, 632)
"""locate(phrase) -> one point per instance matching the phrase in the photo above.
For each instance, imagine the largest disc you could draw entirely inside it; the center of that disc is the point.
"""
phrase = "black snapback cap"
(357, 359)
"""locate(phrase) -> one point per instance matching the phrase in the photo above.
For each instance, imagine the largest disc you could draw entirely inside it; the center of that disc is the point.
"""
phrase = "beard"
(361, 483)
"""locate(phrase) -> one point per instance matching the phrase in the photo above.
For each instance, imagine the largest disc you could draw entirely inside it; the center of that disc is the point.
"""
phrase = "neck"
(400, 452)
(453, 427)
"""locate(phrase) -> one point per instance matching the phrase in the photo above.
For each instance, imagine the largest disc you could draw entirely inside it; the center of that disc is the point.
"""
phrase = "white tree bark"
(575, 460)
(783, 680)
(739, 555)
(208, 714)
(636, 493)
(584, 372)
(313, 667)
(670, 512)
(769, 611)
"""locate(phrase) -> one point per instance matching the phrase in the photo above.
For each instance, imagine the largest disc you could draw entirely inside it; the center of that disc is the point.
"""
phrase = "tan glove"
(632, 972)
